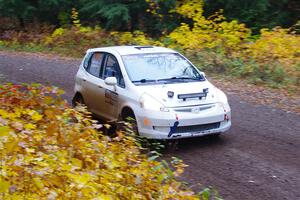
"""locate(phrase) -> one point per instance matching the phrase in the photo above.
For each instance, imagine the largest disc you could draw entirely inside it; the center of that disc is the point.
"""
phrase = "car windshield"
(160, 67)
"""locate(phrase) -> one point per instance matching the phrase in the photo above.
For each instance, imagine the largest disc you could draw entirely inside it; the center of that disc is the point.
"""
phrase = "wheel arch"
(75, 98)
(127, 112)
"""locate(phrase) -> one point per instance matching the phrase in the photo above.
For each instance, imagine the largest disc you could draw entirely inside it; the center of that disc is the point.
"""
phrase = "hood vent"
(143, 47)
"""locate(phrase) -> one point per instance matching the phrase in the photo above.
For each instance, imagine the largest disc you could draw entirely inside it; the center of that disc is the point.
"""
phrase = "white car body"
(162, 110)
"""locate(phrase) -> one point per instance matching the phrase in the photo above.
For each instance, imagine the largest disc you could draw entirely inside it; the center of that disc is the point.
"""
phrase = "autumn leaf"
(4, 131)
(4, 185)
(36, 116)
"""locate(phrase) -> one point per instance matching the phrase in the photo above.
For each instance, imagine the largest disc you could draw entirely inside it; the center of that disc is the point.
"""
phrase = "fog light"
(226, 117)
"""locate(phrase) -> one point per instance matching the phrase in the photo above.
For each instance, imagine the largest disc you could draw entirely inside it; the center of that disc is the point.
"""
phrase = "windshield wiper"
(144, 81)
(165, 80)
(182, 78)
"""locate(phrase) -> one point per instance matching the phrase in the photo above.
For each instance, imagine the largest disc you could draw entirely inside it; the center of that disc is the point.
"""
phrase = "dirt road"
(259, 158)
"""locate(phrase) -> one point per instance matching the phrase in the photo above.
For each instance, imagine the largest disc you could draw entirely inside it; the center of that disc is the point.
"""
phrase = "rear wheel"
(77, 100)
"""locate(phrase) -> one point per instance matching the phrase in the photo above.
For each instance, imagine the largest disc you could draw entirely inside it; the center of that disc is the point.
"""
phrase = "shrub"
(277, 52)
(76, 40)
(135, 38)
(212, 32)
(49, 150)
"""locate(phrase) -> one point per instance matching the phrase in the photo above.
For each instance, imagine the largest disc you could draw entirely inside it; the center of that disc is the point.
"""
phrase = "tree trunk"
(21, 23)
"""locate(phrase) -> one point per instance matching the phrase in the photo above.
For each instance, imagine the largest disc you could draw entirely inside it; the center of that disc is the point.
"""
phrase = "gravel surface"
(258, 158)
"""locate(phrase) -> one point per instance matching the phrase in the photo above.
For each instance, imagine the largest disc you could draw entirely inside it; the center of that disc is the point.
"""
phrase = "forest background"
(256, 39)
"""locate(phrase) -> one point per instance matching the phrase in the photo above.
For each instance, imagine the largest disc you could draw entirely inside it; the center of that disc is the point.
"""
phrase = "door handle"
(99, 86)
(84, 79)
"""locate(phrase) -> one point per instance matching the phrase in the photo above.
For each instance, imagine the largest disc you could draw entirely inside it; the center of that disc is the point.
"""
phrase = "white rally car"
(158, 87)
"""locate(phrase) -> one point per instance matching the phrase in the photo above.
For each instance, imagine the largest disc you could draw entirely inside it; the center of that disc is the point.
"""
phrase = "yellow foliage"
(212, 32)
(62, 156)
(191, 8)
(277, 45)
(135, 38)
(75, 18)
(84, 29)
(58, 32)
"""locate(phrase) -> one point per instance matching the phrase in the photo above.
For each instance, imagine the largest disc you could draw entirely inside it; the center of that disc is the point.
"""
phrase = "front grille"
(197, 128)
(198, 108)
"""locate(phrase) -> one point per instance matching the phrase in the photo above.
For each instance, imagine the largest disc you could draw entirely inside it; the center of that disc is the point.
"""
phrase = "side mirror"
(111, 81)
(203, 74)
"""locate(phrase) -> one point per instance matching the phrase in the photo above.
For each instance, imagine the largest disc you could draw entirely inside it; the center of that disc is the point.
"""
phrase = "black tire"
(171, 145)
(215, 136)
(129, 118)
(77, 100)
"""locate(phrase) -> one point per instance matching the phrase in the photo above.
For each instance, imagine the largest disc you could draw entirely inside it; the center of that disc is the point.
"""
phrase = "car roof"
(128, 50)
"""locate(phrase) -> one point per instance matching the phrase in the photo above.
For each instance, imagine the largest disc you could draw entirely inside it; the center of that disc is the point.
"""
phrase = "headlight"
(221, 96)
(222, 99)
(150, 103)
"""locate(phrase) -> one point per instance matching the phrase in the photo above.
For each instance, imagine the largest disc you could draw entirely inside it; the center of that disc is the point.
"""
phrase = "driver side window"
(112, 68)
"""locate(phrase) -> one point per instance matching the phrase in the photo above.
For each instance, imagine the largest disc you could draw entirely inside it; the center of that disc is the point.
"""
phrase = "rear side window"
(95, 64)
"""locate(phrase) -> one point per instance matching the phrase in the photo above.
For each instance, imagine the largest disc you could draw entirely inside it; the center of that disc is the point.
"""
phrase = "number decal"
(111, 97)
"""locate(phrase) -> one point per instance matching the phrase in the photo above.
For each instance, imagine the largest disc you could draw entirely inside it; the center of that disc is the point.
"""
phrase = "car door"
(112, 93)
(93, 92)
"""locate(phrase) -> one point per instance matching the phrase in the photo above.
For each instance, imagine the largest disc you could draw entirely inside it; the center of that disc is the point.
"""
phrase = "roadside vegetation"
(52, 151)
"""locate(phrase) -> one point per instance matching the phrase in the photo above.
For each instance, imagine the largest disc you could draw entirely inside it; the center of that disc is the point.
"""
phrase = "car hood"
(160, 93)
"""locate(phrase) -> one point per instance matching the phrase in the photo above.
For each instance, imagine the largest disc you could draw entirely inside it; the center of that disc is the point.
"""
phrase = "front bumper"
(175, 125)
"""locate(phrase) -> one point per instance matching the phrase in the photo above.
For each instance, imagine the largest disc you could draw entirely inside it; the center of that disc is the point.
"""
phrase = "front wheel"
(132, 124)
(128, 122)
